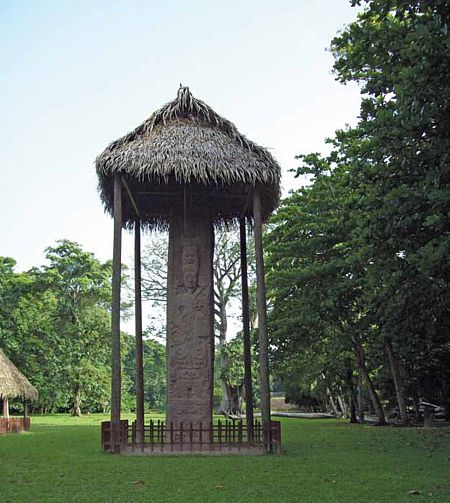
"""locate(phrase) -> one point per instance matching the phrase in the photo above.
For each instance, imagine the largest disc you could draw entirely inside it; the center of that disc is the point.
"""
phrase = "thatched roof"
(12, 382)
(186, 142)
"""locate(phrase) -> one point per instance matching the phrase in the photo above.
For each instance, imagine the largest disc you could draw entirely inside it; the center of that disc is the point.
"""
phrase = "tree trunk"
(416, 406)
(333, 405)
(361, 359)
(353, 398)
(77, 402)
(234, 397)
(429, 420)
(353, 417)
(398, 382)
(342, 406)
(360, 399)
(225, 402)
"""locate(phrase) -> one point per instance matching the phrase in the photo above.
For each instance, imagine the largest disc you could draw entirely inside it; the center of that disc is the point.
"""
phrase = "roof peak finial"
(183, 90)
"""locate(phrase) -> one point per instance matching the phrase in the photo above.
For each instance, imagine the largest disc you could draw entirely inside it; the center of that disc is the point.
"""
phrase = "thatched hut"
(13, 384)
(187, 169)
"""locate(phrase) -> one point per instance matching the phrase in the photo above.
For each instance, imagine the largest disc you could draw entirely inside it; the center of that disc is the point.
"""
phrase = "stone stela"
(190, 329)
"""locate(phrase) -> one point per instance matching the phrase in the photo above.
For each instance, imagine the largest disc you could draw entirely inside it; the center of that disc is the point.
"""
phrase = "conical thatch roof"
(12, 382)
(186, 142)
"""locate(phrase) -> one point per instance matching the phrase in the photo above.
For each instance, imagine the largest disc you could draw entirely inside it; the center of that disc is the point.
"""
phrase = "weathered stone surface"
(190, 337)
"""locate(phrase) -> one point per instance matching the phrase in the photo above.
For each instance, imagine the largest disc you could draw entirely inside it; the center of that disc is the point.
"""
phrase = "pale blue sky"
(76, 75)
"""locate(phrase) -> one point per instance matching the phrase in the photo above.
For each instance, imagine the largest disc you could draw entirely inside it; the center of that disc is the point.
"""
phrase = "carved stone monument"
(190, 336)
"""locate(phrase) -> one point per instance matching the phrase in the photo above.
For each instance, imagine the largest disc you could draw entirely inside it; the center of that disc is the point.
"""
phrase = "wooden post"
(25, 408)
(115, 317)
(262, 320)
(5, 407)
(138, 326)
(246, 334)
(152, 435)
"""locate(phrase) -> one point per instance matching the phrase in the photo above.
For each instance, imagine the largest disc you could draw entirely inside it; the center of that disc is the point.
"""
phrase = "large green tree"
(362, 254)
(400, 54)
(81, 284)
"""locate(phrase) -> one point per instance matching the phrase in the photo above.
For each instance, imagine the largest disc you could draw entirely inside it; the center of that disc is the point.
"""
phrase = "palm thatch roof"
(12, 382)
(187, 142)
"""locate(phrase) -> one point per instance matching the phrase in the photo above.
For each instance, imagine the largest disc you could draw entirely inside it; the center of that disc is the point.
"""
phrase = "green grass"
(323, 460)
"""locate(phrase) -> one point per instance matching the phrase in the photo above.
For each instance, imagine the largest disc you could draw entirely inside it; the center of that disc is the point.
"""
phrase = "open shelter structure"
(188, 170)
(13, 384)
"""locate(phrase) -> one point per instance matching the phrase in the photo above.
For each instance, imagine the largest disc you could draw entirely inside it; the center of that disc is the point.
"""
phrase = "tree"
(314, 281)
(82, 287)
(27, 332)
(154, 362)
(362, 254)
(403, 164)
(227, 274)
(154, 283)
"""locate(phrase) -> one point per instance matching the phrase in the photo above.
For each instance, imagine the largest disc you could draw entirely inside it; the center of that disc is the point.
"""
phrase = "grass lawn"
(323, 460)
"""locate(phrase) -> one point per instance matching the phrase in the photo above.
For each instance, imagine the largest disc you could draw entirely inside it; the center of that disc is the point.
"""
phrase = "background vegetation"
(358, 261)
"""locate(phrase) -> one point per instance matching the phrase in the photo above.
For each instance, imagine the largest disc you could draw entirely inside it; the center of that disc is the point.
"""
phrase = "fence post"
(133, 435)
(239, 435)
(181, 436)
(211, 436)
(152, 435)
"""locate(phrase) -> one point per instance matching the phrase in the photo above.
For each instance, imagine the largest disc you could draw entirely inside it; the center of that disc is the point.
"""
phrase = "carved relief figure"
(190, 266)
(189, 334)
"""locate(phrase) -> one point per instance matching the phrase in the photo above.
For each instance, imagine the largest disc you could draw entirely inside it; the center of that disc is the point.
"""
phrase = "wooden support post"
(25, 408)
(138, 327)
(246, 334)
(6, 407)
(115, 317)
(262, 320)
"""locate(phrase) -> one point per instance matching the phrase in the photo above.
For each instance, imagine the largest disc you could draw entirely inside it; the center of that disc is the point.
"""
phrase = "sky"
(76, 75)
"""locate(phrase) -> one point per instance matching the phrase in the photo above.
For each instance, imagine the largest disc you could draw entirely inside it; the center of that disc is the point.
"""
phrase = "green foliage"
(233, 373)
(361, 256)
(55, 325)
(57, 331)
(82, 287)
(154, 354)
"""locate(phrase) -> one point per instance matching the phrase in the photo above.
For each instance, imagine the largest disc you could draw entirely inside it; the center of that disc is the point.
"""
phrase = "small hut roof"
(12, 382)
(187, 142)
